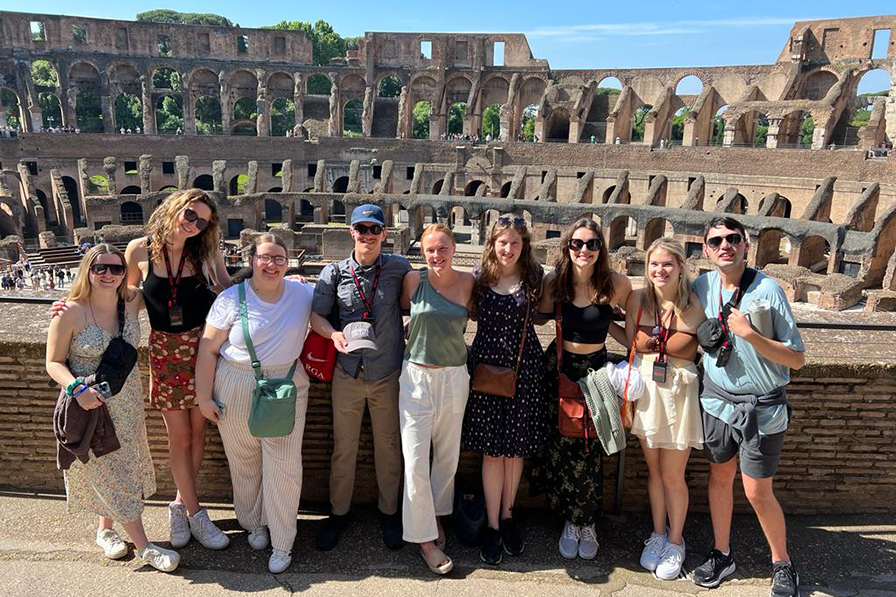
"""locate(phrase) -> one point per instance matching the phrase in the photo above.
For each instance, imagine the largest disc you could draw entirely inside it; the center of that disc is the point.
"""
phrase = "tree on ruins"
(173, 17)
(325, 43)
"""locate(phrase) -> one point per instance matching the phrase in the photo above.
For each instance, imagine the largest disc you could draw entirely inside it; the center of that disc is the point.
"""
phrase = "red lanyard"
(663, 333)
(173, 282)
(368, 302)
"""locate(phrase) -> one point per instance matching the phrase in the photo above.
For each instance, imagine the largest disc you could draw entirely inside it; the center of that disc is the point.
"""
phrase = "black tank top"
(587, 325)
(193, 295)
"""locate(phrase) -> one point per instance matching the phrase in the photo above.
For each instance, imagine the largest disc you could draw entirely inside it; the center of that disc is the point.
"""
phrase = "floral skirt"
(172, 369)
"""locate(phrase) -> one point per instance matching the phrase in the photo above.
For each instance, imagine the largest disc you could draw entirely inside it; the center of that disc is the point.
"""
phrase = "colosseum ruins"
(296, 146)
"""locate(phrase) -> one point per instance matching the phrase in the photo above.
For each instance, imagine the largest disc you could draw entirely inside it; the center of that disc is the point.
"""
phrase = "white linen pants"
(431, 406)
(266, 472)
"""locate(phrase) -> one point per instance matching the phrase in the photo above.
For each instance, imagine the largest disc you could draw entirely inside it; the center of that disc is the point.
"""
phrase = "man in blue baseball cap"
(364, 287)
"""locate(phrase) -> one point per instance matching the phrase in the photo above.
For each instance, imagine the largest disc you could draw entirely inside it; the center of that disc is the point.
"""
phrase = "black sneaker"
(785, 580)
(492, 550)
(328, 535)
(510, 536)
(391, 526)
(714, 569)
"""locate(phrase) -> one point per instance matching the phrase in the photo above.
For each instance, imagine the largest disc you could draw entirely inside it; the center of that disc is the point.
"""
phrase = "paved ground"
(44, 551)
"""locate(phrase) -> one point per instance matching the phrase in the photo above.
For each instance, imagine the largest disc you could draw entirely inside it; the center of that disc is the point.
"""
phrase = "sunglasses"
(733, 239)
(592, 244)
(508, 221)
(114, 269)
(193, 217)
(374, 229)
(278, 260)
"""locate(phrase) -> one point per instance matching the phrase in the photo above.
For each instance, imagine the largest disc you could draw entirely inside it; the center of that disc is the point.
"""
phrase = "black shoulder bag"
(713, 333)
(118, 360)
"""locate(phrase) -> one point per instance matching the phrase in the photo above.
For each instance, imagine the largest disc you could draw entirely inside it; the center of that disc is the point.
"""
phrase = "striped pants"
(266, 472)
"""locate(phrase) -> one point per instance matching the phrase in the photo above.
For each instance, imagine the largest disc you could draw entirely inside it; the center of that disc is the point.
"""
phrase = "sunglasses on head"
(509, 221)
(374, 229)
(113, 268)
(734, 239)
(592, 244)
(193, 217)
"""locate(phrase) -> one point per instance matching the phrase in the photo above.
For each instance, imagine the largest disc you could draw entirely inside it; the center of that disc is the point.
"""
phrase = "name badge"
(176, 315)
(659, 371)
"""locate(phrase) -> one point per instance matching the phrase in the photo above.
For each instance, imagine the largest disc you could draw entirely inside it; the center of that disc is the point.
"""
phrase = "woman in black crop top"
(177, 262)
(586, 290)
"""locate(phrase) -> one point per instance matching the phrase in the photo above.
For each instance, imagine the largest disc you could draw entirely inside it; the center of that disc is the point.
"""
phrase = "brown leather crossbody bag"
(573, 418)
(497, 380)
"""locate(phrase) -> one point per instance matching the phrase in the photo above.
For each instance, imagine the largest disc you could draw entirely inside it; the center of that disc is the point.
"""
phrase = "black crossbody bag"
(712, 335)
(118, 360)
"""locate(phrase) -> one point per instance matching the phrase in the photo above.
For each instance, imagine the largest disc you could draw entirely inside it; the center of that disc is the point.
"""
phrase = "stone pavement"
(44, 551)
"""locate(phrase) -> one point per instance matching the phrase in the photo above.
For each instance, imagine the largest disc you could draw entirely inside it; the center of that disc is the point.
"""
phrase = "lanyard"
(368, 302)
(722, 320)
(663, 333)
(173, 282)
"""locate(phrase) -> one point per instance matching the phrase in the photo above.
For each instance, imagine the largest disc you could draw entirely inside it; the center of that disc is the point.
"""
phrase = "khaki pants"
(349, 398)
(266, 472)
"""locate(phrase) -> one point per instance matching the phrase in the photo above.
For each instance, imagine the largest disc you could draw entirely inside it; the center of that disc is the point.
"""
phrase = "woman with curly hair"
(586, 291)
(506, 430)
(178, 263)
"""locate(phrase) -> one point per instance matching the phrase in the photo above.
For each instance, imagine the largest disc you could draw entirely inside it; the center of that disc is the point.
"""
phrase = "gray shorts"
(722, 442)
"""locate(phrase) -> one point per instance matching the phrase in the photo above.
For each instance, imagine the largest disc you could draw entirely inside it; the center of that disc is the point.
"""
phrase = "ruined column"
(335, 128)
(262, 107)
(219, 182)
(298, 97)
(106, 104)
(111, 169)
(251, 185)
(226, 110)
(403, 130)
(149, 118)
(286, 176)
(320, 177)
(182, 167)
(367, 113)
(145, 170)
(385, 184)
(83, 178)
(354, 177)
(189, 111)
(774, 128)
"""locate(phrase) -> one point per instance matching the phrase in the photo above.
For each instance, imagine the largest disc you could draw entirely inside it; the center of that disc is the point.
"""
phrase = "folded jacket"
(79, 431)
(603, 404)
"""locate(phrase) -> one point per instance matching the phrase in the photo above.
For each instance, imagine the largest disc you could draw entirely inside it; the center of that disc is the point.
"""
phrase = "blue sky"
(570, 34)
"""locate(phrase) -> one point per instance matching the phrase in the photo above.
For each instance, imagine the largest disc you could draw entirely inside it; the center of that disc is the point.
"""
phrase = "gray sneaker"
(653, 551)
(205, 531)
(164, 560)
(569, 541)
(179, 528)
(588, 544)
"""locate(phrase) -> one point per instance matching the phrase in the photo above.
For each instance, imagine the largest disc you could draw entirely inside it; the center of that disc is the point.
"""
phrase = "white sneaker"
(671, 561)
(653, 551)
(165, 560)
(569, 541)
(259, 538)
(179, 528)
(280, 561)
(588, 544)
(112, 545)
(205, 531)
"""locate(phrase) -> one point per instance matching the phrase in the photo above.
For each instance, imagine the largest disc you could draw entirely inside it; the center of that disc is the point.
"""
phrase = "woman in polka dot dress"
(505, 430)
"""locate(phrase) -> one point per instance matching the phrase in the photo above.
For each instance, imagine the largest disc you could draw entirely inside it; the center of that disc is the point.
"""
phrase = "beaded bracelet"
(78, 381)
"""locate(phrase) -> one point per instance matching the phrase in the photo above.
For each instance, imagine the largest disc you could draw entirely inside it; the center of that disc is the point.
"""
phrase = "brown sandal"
(437, 561)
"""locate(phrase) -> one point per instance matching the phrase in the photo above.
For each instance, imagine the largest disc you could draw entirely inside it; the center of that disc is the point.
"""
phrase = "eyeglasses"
(508, 221)
(592, 244)
(734, 239)
(193, 217)
(114, 269)
(279, 260)
(374, 229)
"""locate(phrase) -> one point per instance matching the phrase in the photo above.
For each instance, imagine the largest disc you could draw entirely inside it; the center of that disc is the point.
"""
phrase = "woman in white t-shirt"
(266, 472)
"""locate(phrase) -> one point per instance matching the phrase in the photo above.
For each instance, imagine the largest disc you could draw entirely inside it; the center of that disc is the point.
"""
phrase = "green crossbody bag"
(273, 412)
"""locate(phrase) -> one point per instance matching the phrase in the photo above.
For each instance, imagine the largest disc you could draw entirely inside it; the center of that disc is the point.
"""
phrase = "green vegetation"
(678, 124)
(325, 43)
(89, 112)
(352, 119)
(169, 115)
(173, 17)
(98, 185)
(208, 116)
(390, 87)
(528, 128)
(43, 74)
(422, 110)
(491, 121)
(807, 128)
(456, 118)
(638, 122)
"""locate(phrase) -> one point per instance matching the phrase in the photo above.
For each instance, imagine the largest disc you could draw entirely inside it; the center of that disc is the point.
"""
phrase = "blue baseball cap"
(368, 214)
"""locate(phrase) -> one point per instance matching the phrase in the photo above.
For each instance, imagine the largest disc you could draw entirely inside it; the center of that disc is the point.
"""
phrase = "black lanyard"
(368, 302)
(662, 335)
(173, 282)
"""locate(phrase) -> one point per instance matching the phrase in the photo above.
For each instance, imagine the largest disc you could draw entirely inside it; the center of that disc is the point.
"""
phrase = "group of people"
(209, 352)
(46, 278)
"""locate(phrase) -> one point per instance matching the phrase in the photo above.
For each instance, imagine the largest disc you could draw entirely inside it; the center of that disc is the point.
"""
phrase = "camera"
(724, 354)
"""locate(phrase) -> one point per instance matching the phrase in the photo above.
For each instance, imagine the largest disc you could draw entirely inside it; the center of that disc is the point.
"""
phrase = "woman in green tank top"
(433, 390)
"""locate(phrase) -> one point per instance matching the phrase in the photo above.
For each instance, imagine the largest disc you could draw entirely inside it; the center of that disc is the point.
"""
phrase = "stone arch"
(385, 108)
(169, 114)
(814, 253)
(771, 86)
(305, 211)
(610, 82)
(51, 109)
(656, 228)
(203, 181)
(131, 213)
(237, 185)
(817, 84)
(165, 77)
(337, 211)
(318, 84)
(423, 87)
(505, 189)
(607, 193)
(242, 84)
(639, 121)
(208, 115)
(71, 189)
(729, 88)
(45, 204)
(781, 209)
(352, 86)
(340, 185)
(473, 186)
(557, 126)
(11, 108)
(283, 116)
(351, 118)
(718, 126)
(773, 247)
(273, 211)
(618, 230)
(131, 190)
(205, 82)
(84, 76)
(437, 186)
(127, 112)
(389, 86)
(89, 112)
(244, 118)
(688, 85)
(280, 85)
(530, 92)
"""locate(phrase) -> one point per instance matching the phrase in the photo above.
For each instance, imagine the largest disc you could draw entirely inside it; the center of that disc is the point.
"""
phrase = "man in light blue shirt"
(745, 411)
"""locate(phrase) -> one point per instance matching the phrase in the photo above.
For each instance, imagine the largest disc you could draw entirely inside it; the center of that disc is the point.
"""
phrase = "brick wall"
(839, 455)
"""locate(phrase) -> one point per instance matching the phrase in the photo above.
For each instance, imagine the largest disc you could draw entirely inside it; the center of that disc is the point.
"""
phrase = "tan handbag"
(497, 380)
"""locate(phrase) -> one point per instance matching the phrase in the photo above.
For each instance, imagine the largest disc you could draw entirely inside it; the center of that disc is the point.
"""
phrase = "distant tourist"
(114, 476)
(745, 410)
